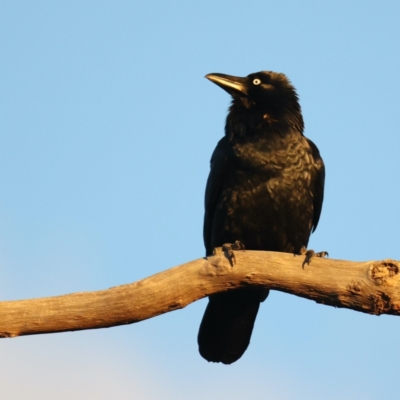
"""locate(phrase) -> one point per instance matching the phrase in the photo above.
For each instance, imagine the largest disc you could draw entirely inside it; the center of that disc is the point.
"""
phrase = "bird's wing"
(218, 172)
(319, 184)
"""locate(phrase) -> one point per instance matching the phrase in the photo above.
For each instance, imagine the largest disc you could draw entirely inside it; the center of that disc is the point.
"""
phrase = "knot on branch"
(381, 303)
(384, 271)
(216, 265)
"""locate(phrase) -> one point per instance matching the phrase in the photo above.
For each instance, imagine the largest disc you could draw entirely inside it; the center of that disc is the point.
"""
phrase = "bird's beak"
(232, 84)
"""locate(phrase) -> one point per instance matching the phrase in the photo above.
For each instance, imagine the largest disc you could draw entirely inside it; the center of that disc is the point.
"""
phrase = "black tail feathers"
(227, 324)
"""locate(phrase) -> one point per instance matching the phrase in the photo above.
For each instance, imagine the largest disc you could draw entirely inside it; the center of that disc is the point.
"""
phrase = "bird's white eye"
(256, 81)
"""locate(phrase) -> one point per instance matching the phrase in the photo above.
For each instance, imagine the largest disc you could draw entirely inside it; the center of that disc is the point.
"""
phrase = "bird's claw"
(309, 254)
(228, 248)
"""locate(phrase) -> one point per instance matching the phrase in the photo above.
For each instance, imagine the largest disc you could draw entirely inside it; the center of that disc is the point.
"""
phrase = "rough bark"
(371, 287)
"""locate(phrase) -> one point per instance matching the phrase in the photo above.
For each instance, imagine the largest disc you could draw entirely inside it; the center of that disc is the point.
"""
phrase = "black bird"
(265, 189)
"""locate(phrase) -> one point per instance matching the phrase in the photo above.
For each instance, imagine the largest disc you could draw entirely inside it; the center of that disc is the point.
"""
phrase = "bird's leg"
(228, 248)
(310, 254)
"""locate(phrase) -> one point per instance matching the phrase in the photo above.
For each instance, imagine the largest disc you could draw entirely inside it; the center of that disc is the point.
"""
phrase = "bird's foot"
(309, 254)
(228, 248)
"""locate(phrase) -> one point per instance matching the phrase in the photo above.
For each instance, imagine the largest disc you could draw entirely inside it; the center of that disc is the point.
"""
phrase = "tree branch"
(371, 287)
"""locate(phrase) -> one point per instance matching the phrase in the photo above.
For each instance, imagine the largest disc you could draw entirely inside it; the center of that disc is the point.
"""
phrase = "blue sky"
(107, 127)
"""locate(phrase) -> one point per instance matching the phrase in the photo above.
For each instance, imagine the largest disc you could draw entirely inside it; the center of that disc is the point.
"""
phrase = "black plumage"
(265, 189)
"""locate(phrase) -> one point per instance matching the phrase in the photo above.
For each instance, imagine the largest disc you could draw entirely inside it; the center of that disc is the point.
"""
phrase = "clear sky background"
(107, 127)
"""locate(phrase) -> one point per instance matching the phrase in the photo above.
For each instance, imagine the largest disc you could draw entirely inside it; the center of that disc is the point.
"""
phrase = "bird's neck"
(248, 124)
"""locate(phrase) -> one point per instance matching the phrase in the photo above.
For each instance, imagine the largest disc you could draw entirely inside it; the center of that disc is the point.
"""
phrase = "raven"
(265, 190)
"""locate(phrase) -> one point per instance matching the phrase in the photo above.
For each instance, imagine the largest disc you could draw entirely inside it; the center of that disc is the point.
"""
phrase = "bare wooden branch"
(371, 287)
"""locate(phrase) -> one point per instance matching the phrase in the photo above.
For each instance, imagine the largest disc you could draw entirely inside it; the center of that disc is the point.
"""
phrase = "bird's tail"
(227, 324)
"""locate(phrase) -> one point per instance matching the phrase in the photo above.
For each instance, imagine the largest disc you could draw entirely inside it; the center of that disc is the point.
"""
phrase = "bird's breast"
(268, 196)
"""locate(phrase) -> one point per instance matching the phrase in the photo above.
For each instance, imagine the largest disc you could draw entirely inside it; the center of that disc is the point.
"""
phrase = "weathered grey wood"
(371, 287)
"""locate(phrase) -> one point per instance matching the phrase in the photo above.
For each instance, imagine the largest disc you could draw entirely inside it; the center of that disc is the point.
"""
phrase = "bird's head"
(262, 97)
(265, 88)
